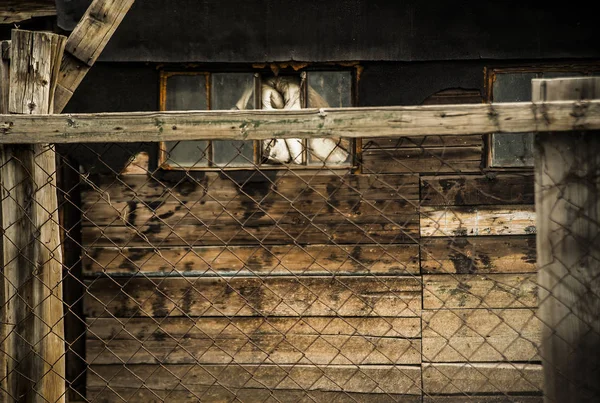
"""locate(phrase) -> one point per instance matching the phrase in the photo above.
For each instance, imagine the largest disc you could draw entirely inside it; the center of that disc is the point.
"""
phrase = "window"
(264, 89)
(515, 150)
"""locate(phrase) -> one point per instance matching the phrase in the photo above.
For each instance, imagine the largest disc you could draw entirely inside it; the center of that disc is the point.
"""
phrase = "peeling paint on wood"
(478, 220)
(446, 291)
(303, 232)
(297, 340)
(488, 189)
(252, 296)
(249, 260)
(212, 186)
(478, 255)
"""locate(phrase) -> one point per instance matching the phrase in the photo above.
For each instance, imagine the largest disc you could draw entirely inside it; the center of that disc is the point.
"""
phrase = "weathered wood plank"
(251, 296)
(4, 76)
(13, 11)
(272, 260)
(86, 43)
(220, 383)
(32, 91)
(471, 255)
(322, 341)
(95, 29)
(567, 169)
(415, 160)
(465, 190)
(478, 221)
(478, 291)
(212, 186)
(271, 210)
(424, 141)
(72, 73)
(32, 261)
(303, 232)
(207, 327)
(339, 201)
(219, 394)
(482, 378)
(480, 335)
(501, 398)
(274, 349)
(4, 323)
(304, 123)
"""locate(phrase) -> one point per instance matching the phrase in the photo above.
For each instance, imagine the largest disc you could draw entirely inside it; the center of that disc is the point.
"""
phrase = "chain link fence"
(405, 274)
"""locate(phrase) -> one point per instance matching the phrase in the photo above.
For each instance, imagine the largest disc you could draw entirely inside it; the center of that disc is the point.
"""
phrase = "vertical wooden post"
(4, 84)
(4, 75)
(32, 255)
(567, 172)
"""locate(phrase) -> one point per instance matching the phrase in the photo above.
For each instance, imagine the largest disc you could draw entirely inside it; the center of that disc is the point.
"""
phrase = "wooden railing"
(557, 116)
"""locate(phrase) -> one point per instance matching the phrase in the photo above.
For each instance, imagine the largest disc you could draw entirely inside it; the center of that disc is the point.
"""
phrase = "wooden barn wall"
(420, 271)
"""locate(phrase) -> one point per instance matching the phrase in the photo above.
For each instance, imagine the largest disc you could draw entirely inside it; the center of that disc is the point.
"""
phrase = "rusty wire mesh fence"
(405, 273)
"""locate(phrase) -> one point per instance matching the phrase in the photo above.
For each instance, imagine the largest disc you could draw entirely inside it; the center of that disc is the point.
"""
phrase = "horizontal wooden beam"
(442, 120)
(20, 10)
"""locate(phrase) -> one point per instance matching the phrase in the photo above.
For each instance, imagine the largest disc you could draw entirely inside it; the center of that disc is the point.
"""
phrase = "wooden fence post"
(4, 84)
(32, 256)
(567, 172)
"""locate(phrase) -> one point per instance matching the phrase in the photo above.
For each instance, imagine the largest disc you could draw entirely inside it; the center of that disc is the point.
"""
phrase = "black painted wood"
(316, 30)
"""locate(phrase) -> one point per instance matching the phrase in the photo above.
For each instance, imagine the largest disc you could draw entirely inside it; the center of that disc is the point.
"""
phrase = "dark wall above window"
(317, 30)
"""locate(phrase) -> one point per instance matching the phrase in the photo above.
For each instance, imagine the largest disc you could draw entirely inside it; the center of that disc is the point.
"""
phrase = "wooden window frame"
(490, 73)
(258, 69)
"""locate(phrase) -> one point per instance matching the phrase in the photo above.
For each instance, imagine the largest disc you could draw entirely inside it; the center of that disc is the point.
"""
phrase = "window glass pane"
(233, 153)
(329, 151)
(510, 87)
(329, 89)
(232, 91)
(332, 89)
(186, 92)
(512, 149)
(186, 154)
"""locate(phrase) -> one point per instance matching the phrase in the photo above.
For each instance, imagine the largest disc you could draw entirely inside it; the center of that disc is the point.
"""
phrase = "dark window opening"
(515, 150)
(257, 90)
